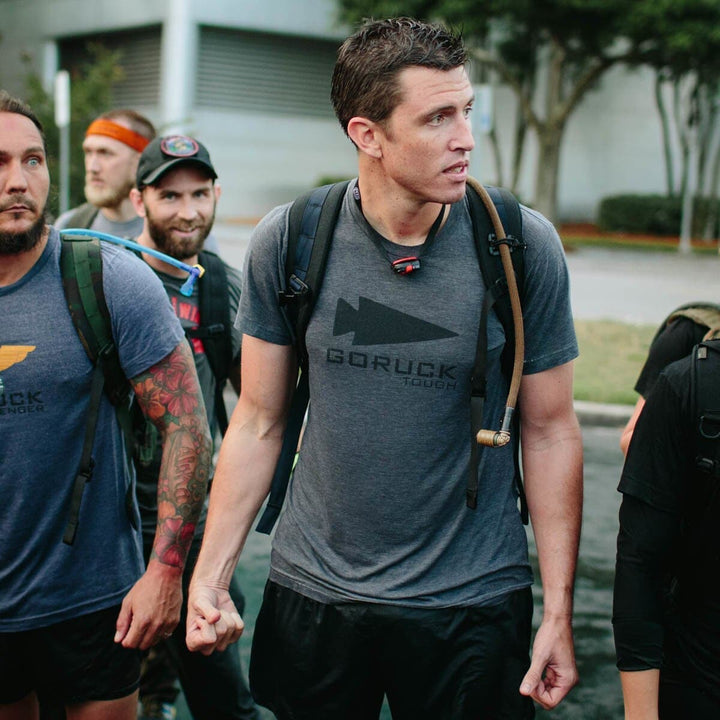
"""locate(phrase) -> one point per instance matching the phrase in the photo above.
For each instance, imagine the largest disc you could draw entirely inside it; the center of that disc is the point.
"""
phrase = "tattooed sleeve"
(169, 395)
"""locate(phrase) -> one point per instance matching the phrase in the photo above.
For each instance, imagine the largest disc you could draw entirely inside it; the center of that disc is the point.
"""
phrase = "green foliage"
(650, 214)
(90, 95)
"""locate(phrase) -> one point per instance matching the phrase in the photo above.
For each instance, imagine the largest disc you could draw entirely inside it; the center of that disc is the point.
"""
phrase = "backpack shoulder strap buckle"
(297, 288)
(511, 241)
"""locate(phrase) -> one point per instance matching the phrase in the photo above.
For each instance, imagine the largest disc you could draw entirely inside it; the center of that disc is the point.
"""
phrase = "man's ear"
(366, 136)
(137, 201)
(218, 190)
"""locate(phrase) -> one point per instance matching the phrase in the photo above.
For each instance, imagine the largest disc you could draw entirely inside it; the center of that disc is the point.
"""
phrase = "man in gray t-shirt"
(382, 581)
(76, 606)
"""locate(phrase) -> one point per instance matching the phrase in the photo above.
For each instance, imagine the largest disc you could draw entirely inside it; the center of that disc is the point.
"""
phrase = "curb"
(602, 414)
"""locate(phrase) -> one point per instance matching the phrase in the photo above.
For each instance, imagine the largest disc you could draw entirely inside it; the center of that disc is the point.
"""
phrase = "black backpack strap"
(706, 407)
(215, 329)
(497, 298)
(81, 270)
(311, 222)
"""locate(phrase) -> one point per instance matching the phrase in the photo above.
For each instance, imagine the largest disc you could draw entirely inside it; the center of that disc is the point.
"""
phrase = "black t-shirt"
(660, 484)
(675, 341)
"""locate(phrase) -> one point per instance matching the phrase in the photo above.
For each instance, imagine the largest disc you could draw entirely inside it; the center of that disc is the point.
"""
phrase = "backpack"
(702, 313)
(311, 222)
(698, 536)
(81, 270)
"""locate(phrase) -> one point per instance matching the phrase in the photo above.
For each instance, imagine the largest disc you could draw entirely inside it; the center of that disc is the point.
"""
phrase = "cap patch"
(179, 146)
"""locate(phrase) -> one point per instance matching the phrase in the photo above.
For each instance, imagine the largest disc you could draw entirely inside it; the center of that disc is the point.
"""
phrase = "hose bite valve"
(497, 438)
(195, 271)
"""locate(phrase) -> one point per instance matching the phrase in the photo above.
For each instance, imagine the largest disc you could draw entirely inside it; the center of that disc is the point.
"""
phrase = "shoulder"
(268, 242)
(81, 215)
(129, 279)
(539, 232)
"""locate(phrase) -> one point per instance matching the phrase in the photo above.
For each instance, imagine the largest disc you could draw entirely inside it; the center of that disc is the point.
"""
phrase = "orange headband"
(118, 132)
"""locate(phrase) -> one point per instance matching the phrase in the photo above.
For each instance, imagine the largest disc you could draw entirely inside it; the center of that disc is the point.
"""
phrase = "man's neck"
(124, 212)
(397, 218)
(14, 267)
(155, 263)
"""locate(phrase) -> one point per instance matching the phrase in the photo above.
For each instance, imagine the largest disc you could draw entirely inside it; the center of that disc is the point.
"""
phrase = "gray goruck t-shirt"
(376, 510)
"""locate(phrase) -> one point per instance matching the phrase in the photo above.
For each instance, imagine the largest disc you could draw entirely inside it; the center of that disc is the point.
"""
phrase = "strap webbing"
(81, 269)
(312, 217)
(87, 464)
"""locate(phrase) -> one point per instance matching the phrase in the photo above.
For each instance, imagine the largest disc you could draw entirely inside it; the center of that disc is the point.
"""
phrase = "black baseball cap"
(164, 153)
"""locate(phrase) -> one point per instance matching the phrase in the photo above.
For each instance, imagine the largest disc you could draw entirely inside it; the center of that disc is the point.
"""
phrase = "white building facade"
(251, 79)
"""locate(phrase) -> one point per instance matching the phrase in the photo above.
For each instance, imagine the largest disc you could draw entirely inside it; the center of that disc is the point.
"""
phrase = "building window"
(139, 59)
(264, 73)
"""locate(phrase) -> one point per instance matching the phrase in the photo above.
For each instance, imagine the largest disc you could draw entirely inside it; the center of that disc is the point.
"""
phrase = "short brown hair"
(365, 79)
(10, 104)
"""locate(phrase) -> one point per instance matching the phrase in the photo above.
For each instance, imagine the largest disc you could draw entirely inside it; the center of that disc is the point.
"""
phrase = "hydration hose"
(498, 438)
(196, 271)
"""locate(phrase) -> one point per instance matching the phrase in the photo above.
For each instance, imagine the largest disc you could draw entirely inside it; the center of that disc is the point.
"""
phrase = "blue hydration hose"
(195, 271)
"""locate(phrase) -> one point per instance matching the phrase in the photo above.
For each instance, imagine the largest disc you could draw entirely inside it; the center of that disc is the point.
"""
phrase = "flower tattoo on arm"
(170, 397)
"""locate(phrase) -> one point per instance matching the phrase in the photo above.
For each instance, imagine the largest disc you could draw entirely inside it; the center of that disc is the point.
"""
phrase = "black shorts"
(70, 662)
(313, 661)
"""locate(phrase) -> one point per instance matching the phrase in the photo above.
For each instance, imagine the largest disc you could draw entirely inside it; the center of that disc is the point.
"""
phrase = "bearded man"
(176, 197)
(112, 146)
(78, 604)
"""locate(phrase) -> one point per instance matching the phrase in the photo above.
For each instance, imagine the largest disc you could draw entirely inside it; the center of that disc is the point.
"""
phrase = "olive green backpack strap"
(81, 270)
(704, 313)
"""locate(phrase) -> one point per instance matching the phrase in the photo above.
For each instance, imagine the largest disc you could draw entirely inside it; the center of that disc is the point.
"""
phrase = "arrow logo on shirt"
(377, 324)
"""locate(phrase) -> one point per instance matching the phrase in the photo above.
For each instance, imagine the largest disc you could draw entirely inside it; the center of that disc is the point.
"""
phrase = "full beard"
(108, 196)
(16, 243)
(178, 248)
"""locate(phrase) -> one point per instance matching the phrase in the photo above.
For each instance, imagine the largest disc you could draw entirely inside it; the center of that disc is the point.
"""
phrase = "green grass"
(611, 357)
(630, 242)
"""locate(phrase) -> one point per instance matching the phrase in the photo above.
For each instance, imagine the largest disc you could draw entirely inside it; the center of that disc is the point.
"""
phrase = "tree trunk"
(546, 180)
(686, 221)
(497, 156)
(710, 229)
(665, 125)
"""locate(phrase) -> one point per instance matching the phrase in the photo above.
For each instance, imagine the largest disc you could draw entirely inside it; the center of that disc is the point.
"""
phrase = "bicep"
(546, 400)
(268, 375)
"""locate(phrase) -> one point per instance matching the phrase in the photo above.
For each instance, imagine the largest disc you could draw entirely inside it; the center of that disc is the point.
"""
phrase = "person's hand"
(151, 610)
(552, 672)
(213, 622)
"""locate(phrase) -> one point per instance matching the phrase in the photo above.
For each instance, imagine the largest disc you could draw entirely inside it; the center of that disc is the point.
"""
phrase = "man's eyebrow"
(450, 106)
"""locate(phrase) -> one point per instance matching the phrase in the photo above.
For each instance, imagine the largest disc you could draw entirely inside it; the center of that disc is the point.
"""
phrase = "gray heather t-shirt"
(46, 379)
(376, 510)
(128, 229)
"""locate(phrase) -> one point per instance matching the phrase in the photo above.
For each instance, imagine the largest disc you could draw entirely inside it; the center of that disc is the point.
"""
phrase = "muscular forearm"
(170, 397)
(182, 484)
(552, 462)
(241, 484)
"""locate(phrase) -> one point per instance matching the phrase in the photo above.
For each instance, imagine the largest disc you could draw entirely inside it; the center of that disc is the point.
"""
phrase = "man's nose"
(17, 178)
(188, 209)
